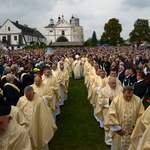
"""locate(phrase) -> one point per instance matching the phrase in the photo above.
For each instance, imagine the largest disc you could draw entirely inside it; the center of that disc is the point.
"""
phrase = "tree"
(88, 42)
(141, 31)
(62, 39)
(94, 39)
(111, 34)
(42, 45)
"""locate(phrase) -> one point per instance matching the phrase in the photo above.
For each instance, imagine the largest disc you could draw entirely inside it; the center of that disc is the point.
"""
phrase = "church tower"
(59, 18)
(51, 22)
(74, 21)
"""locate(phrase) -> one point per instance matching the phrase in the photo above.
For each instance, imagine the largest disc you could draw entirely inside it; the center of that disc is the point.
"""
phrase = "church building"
(72, 30)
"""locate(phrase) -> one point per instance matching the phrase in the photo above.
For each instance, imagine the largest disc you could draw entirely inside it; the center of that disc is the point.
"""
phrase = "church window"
(8, 28)
(15, 38)
(4, 39)
(62, 32)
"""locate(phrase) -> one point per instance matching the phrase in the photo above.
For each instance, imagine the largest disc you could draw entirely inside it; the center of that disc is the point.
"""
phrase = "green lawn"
(77, 128)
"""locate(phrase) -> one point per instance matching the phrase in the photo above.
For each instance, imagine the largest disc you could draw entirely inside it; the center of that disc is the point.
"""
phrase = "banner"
(48, 50)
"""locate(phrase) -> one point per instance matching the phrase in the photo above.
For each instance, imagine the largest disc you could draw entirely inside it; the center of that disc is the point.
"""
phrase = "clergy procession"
(34, 86)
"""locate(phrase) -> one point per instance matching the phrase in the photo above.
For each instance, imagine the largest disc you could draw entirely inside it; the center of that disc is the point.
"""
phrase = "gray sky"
(93, 14)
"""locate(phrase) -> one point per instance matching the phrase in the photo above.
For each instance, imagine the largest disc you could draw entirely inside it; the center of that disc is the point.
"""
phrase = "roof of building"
(64, 22)
(49, 26)
(67, 44)
(28, 31)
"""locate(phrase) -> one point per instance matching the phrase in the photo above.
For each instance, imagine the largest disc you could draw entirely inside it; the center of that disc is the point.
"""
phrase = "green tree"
(62, 39)
(36, 45)
(141, 31)
(94, 39)
(104, 38)
(42, 45)
(88, 42)
(111, 34)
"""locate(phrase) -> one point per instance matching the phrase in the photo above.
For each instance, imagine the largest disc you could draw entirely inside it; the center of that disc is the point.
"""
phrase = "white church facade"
(72, 30)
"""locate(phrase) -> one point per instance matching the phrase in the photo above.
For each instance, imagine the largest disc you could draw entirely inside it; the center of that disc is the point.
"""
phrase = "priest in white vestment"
(106, 96)
(124, 112)
(12, 135)
(37, 113)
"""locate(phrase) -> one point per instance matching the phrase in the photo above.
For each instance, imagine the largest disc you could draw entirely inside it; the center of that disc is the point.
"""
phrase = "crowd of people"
(34, 85)
(116, 92)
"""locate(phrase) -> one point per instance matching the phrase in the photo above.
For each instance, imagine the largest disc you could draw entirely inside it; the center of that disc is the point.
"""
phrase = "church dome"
(51, 21)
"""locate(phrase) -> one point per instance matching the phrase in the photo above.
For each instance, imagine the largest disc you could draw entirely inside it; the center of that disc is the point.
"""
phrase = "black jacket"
(12, 93)
(140, 88)
(132, 80)
(121, 76)
(126, 81)
(106, 67)
(26, 79)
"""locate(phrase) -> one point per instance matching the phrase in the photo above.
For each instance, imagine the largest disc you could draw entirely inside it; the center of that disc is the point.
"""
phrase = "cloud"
(24, 10)
(137, 3)
(92, 14)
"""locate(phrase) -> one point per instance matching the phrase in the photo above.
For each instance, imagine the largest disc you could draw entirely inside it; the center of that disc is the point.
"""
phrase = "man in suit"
(121, 74)
(127, 77)
(140, 87)
(132, 77)
(106, 65)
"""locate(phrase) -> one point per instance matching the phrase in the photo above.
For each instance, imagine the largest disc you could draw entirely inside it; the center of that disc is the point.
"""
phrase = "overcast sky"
(93, 14)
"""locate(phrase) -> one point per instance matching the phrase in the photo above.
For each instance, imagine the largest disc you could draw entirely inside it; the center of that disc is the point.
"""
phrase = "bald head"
(38, 81)
(112, 82)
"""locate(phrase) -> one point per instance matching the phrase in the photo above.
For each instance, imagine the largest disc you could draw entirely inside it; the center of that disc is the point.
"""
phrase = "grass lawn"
(77, 128)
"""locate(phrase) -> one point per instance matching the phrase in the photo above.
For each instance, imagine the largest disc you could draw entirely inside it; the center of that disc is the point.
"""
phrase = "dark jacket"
(12, 93)
(132, 80)
(140, 88)
(121, 76)
(106, 67)
(126, 81)
(26, 79)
